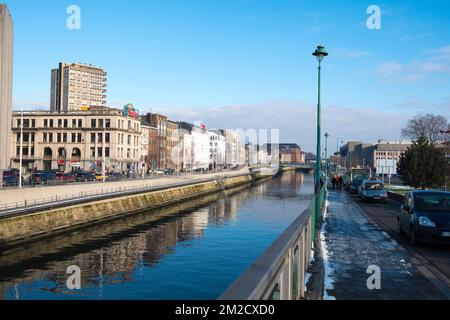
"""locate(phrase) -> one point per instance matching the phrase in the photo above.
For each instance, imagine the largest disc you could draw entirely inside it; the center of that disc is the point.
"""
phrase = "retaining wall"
(23, 228)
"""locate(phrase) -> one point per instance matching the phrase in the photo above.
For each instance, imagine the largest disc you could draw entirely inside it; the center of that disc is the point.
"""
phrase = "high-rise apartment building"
(6, 72)
(76, 87)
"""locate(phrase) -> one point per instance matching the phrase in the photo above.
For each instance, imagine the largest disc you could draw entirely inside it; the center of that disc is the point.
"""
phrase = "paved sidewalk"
(351, 243)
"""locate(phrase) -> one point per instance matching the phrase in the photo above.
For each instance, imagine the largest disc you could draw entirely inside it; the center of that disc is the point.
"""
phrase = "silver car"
(373, 190)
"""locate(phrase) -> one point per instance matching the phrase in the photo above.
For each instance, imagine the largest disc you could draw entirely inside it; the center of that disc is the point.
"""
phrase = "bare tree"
(429, 126)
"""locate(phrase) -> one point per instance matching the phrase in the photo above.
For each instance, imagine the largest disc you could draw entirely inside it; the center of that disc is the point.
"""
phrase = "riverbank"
(21, 229)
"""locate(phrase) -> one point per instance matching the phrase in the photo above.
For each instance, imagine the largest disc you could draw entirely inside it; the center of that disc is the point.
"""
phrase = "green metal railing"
(279, 273)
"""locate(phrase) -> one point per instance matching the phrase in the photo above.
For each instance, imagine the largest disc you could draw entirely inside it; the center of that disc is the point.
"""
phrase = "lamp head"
(320, 53)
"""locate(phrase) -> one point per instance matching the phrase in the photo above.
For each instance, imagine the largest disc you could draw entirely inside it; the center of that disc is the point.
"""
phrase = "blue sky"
(247, 63)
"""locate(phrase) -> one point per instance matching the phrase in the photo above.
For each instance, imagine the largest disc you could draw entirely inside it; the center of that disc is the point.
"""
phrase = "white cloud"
(436, 63)
(297, 121)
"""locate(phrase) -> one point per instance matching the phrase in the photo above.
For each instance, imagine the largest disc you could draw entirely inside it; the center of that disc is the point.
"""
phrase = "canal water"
(193, 250)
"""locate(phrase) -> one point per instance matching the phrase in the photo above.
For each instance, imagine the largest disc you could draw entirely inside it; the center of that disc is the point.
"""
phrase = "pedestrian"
(340, 182)
(333, 182)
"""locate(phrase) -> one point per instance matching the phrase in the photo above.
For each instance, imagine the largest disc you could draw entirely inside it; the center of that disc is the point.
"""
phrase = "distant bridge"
(299, 166)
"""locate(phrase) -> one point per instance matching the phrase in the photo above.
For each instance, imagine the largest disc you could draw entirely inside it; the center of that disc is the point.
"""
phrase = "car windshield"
(432, 202)
(373, 186)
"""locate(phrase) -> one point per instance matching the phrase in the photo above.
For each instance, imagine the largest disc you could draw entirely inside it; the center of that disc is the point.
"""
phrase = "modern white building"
(386, 155)
(251, 156)
(241, 160)
(186, 151)
(200, 145)
(217, 148)
(231, 148)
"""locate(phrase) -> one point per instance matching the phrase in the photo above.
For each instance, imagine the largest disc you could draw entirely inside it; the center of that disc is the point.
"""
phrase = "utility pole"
(103, 152)
(21, 150)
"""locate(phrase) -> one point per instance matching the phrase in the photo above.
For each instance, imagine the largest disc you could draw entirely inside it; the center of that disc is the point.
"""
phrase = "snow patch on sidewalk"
(328, 280)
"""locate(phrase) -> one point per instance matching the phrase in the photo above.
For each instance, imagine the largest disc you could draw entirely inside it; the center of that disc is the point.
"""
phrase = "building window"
(45, 123)
(64, 137)
(51, 123)
(50, 137)
(107, 152)
(74, 137)
(58, 139)
(79, 138)
(93, 123)
(92, 152)
(74, 123)
(108, 123)
(107, 137)
(100, 138)
(80, 123)
(44, 137)
(59, 123)
(92, 137)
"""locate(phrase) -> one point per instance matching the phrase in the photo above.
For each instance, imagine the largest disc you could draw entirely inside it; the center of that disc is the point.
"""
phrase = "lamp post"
(445, 133)
(21, 150)
(320, 53)
(326, 154)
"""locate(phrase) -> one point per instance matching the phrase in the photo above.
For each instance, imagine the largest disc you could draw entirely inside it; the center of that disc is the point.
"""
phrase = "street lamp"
(320, 53)
(445, 133)
(326, 153)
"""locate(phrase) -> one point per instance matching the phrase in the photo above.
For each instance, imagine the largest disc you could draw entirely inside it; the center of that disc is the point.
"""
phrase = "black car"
(11, 180)
(84, 177)
(42, 177)
(425, 216)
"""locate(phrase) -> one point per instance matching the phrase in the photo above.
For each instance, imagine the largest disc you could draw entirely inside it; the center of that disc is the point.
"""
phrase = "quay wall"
(20, 229)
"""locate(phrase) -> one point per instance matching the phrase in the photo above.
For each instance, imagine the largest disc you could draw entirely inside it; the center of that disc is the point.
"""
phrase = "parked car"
(354, 178)
(114, 176)
(169, 171)
(84, 177)
(372, 190)
(425, 216)
(59, 176)
(10, 180)
(99, 176)
(42, 177)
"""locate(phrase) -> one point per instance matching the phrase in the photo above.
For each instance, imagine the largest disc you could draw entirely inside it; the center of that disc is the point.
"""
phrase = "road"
(432, 260)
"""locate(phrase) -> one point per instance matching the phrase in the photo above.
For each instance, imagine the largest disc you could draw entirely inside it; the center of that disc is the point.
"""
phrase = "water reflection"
(188, 251)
